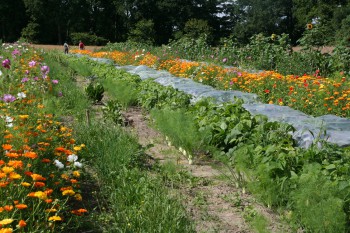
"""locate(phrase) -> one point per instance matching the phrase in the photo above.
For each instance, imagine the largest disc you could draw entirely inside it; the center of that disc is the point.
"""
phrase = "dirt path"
(60, 47)
(213, 202)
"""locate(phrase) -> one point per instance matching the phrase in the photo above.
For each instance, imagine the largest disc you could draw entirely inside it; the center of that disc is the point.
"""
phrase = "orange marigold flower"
(46, 160)
(6, 147)
(3, 184)
(73, 181)
(28, 173)
(48, 191)
(8, 208)
(39, 184)
(21, 206)
(37, 177)
(48, 201)
(66, 188)
(79, 212)
(2, 162)
(22, 223)
(31, 155)
(60, 149)
(2, 175)
(15, 163)
(12, 155)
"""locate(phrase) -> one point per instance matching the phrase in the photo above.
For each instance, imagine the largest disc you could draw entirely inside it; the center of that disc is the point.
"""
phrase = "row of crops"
(309, 186)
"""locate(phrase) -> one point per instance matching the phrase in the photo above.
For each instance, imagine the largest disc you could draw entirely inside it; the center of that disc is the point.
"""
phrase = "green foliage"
(195, 28)
(95, 91)
(267, 52)
(342, 36)
(143, 32)
(316, 202)
(112, 111)
(30, 32)
(315, 35)
(87, 38)
(179, 126)
(154, 95)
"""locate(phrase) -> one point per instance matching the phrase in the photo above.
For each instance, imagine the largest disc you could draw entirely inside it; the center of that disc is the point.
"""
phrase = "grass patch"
(179, 126)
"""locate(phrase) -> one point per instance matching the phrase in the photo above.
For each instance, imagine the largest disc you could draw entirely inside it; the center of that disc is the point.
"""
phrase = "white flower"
(72, 158)
(9, 125)
(8, 119)
(58, 164)
(21, 95)
(78, 164)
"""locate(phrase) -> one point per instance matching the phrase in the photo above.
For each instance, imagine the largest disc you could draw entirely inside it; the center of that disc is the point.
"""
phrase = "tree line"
(160, 21)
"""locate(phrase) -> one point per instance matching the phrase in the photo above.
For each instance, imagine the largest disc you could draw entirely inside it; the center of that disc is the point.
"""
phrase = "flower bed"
(311, 94)
(40, 161)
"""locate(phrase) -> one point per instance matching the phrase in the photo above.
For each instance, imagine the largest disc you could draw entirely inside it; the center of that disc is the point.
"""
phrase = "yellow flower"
(25, 184)
(50, 210)
(68, 192)
(15, 176)
(7, 170)
(309, 26)
(41, 195)
(78, 197)
(6, 221)
(6, 230)
(77, 148)
(76, 174)
(55, 218)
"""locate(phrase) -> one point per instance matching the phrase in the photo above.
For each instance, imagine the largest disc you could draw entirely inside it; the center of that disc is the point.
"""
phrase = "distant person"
(66, 48)
(81, 45)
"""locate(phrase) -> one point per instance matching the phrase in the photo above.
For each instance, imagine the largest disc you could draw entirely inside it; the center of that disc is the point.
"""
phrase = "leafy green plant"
(95, 91)
(153, 95)
(112, 111)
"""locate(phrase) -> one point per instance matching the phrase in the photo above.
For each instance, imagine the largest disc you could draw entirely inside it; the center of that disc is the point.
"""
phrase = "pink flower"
(45, 70)
(16, 52)
(8, 98)
(32, 63)
(224, 60)
(55, 81)
(6, 63)
(25, 80)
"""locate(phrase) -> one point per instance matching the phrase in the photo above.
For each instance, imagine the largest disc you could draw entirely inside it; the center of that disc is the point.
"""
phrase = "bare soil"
(60, 47)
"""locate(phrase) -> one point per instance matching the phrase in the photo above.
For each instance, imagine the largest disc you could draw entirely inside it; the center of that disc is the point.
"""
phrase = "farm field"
(130, 155)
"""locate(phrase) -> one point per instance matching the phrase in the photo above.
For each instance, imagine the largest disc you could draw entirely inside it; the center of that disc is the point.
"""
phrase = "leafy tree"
(12, 19)
(267, 17)
(143, 32)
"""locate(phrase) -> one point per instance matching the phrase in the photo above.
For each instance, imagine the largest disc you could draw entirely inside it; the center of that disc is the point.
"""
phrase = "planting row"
(40, 161)
(333, 128)
(308, 186)
(51, 183)
(309, 93)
